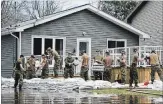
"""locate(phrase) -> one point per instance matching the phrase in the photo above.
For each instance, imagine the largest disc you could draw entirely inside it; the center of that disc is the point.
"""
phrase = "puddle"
(29, 96)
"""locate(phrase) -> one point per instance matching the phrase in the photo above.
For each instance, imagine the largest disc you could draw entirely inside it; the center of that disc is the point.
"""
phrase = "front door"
(84, 44)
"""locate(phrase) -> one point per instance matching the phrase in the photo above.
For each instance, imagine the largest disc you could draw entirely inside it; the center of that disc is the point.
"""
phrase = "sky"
(73, 3)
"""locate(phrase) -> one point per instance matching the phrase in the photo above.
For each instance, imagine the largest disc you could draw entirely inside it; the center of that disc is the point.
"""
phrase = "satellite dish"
(36, 14)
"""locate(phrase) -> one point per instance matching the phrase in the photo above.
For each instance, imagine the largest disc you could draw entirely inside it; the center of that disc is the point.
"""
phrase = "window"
(40, 45)
(114, 43)
(37, 46)
(59, 46)
(48, 43)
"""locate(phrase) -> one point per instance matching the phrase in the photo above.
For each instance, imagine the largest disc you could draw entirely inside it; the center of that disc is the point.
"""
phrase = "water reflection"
(11, 96)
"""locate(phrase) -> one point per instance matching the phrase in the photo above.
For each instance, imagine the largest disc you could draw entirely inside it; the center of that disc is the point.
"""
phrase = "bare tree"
(43, 8)
(17, 11)
(118, 9)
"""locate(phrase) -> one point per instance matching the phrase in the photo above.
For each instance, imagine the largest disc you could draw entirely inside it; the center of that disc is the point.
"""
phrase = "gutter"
(14, 35)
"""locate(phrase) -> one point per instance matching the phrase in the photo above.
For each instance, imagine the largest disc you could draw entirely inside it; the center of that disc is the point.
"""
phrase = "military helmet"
(153, 51)
(107, 52)
(43, 55)
(21, 56)
(32, 56)
(135, 49)
(49, 49)
(123, 51)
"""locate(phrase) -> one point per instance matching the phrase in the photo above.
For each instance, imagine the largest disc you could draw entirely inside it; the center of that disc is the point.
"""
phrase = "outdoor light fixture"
(84, 33)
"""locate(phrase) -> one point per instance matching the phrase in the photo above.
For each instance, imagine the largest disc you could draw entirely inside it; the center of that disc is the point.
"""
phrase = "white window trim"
(43, 37)
(112, 39)
(90, 51)
(83, 40)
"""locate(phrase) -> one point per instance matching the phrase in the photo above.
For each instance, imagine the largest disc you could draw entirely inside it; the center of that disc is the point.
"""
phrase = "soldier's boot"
(136, 85)
(15, 85)
(56, 76)
(20, 87)
(130, 85)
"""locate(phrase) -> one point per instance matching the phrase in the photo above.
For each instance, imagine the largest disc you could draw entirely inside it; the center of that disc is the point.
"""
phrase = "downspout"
(14, 36)
(13, 46)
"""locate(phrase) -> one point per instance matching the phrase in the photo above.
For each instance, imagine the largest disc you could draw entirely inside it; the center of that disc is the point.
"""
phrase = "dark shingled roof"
(135, 11)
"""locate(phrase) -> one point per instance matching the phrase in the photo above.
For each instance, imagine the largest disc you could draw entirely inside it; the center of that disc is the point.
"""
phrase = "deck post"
(144, 53)
(139, 55)
(129, 56)
(20, 41)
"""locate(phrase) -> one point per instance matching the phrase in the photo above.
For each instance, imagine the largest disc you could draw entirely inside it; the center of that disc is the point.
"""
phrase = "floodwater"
(29, 96)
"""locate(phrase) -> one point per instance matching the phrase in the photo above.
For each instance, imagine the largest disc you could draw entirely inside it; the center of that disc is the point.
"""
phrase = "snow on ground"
(61, 84)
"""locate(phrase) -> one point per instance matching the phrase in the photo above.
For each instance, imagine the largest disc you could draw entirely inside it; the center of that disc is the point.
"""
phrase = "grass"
(125, 92)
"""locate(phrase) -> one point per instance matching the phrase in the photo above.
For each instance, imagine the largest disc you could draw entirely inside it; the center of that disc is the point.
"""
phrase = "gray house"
(80, 28)
(148, 17)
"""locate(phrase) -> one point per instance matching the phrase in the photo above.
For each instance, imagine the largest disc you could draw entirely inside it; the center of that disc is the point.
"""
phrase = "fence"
(144, 51)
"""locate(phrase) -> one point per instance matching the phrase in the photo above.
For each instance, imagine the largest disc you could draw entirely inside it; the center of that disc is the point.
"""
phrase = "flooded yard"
(29, 96)
(75, 91)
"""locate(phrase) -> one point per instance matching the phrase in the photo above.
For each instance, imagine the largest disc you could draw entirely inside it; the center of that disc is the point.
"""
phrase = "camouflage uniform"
(31, 68)
(84, 67)
(123, 69)
(133, 71)
(18, 74)
(23, 64)
(107, 73)
(57, 62)
(69, 69)
(155, 67)
(107, 69)
(45, 70)
(84, 72)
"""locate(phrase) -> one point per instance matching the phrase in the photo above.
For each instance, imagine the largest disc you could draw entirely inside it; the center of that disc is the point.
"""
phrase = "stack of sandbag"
(7, 82)
(98, 84)
(117, 85)
(157, 85)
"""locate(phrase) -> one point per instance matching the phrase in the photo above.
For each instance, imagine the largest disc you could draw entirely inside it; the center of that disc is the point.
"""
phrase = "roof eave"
(135, 11)
(88, 7)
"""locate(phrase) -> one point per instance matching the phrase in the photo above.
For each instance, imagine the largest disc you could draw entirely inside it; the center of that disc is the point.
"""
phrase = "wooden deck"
(143, 74)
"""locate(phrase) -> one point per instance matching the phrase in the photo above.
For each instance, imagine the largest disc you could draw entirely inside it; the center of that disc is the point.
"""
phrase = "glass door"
(84, 44)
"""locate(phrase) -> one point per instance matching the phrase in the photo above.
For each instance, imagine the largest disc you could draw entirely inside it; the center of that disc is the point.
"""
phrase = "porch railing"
(142, 50)
(115, 52)
(62, 65)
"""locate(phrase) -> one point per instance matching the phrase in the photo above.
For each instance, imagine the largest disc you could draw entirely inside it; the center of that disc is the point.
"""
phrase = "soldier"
(98, 59)
(155, 65)
(107, 66)
(133, 69)
(84, 67)
(30, 67)
(54, 53)
(69, 67)
(44, 66)
(19, 73)
(123, 67)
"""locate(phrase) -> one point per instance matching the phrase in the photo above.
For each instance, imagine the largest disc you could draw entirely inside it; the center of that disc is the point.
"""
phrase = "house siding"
(150, 20)
(72, 26)
(8, 55)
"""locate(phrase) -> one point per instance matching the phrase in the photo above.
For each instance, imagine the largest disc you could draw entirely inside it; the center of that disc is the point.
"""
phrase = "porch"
(144, 67)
